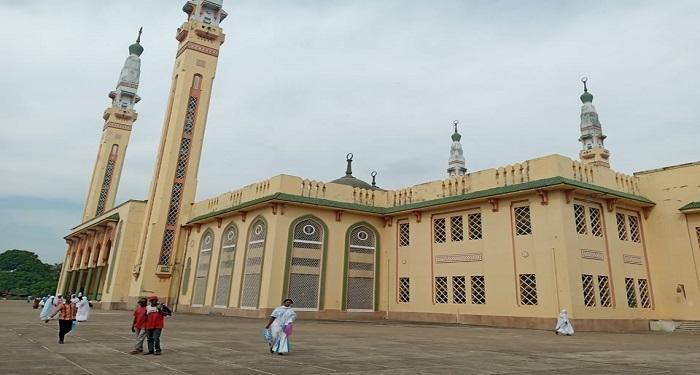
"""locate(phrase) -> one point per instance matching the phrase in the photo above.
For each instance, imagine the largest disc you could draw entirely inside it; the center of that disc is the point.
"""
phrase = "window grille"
(456, 228)
(580, 217)
(697, 232)
(604, 291)
(189, 117)
(588, 290)
(528, 289)
(459, 290)
(634, 228)
(478, 290)
(306, 258)
(621, 227)
(167, 248)
(523, 225)
(362, 247)
(200, 279)
(440, 234)
(404, 234)
(174, 203)
(226, 263)
(404, 289)
(252, 272)
(596, 225)
(441, 295)
(631, 294)
(644, 299)
(106, 182)
(474, 226)
(182, 158)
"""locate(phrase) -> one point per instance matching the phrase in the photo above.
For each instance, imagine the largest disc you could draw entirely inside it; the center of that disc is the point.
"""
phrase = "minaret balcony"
(122, 114)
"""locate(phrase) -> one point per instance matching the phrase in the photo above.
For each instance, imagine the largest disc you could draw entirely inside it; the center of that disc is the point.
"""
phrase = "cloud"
(300, 84)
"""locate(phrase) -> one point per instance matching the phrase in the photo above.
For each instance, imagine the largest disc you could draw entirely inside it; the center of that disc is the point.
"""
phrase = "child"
(155, 319)
(138, 326)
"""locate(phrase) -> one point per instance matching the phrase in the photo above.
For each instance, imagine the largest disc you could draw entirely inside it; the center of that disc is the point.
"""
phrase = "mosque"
(506, 246)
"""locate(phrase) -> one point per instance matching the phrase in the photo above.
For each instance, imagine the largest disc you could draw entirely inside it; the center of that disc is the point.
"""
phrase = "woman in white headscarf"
(280, 326)
(83, 310)
(564, 326)
(47, 309)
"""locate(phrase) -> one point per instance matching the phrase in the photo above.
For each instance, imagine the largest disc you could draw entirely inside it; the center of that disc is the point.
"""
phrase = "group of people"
(70, 312)
(148, 323)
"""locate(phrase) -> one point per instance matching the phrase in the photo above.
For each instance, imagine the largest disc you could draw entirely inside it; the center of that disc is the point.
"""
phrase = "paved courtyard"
(196, 344)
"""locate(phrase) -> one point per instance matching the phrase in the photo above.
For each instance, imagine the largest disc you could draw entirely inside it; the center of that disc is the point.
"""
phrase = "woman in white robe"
(280, 323)
(83, 310)
(47, 310)
(564, 326)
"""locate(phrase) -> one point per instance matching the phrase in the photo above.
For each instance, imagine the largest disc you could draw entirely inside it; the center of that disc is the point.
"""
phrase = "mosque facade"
(506, 246)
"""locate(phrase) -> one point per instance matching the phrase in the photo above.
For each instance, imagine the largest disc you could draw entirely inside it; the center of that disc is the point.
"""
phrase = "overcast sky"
(302, 83)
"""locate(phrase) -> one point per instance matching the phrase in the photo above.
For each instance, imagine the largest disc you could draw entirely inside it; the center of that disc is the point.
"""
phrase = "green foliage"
(22, 273)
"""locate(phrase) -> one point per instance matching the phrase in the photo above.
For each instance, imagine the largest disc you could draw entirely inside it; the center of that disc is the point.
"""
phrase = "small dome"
(136, 48)
(349, 180)
(456, 136)
(586, 97)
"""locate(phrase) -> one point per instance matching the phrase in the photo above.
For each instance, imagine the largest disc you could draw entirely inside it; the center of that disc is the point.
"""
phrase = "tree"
(22, 273)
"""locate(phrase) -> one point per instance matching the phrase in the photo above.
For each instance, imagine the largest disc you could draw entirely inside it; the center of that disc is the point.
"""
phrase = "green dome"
(456, 136)
(586, 97)
(136, 49)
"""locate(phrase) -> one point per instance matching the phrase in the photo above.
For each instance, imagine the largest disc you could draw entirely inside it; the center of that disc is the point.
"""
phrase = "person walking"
(564, 326)
(47, 309)
(66, 315)
(280, 326)
(155, 320)
(83, 308)
(138, 325)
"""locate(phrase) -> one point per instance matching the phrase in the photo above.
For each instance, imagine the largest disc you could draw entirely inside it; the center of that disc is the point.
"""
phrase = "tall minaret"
(456, 164)
(119, 117)
(175, 176)
(592, 137)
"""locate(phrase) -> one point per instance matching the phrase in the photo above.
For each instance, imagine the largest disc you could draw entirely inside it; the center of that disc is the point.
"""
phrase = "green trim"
(88, 281)
(245, 260)
(188, 269)
(233, 264)
(481, 194)
(100, 283)
(80, 283)
(344, 304)
(322, 266)
(690, 206)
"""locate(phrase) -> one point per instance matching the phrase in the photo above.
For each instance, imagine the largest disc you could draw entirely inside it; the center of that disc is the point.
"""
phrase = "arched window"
(226, 260)
(361, 269)
(255, 251)
(305, 264)
(200, 279)
(197, 81)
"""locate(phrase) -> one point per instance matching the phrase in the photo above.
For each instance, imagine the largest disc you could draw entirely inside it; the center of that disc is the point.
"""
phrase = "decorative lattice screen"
(523, 226)
(634, 228)
(596, 225)
(528, 289)
(439, 230)
(604, 291)
(697, 232)
(226, 262)
(580, 218)
(200, 279)
(252, 273)
(588, 290)
(404, 289)
(474, 226)
(362, 247)
(441, 295)
(459, 290)
(404, 234)
(644, 298)
(456, 228)
(631, 294)
(478, 290)
(106, 182)
(306, 260)
(621, 227)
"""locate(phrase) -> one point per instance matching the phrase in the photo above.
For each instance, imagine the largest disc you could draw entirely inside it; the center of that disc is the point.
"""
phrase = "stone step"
(689, 327)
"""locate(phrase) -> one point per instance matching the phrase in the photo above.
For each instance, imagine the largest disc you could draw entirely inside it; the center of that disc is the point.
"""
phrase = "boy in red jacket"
(154, 325)
(138, 326)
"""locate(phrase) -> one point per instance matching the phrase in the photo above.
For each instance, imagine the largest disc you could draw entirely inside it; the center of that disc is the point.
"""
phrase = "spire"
(592, 138)
(124, 95)
(348, 170)
(456, 165)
